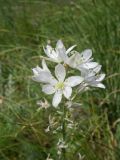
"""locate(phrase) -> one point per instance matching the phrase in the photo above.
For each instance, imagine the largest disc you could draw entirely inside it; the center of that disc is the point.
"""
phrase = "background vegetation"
(27, 25)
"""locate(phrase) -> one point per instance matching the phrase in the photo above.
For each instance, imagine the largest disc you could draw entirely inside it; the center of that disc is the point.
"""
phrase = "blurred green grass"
(25, 26)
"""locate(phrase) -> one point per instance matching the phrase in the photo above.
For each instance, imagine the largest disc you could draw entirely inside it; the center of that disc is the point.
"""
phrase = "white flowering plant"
(74, 73)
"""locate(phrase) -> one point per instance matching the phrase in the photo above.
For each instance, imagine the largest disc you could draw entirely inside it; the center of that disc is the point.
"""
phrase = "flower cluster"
(89, 72)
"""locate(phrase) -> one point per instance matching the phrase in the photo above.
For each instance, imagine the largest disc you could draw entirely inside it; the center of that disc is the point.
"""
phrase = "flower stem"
(64, 132)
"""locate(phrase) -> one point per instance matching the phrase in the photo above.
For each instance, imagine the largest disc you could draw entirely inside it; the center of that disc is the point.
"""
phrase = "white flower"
(58, 86)
(92, 77)
(61, 86)
(59, 54)
(42, 74)
(43, 104)
(81, 61)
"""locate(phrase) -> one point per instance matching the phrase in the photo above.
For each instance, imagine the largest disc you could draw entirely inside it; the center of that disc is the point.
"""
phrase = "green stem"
(64, 132)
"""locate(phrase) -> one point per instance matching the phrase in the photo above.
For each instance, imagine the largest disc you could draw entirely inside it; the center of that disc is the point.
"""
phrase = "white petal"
(53, 81)
(87, 72)
(62, 55)
(60, 45)
(90, 79)
(48, 89)
(49, 51)
(54, 54)
(100, 85)
(92, 64)
(87, 54)
(67, 92)
(71, 61)
(60, 49)
(97, 69)
(101, 77)
(88, 65)
(70, 49)
(37, 70)
(60, 72)
(44, 65)
(84, 72)
(57, 98)
(74, 60)
(91, 74)
(43, 77)
(73, 80)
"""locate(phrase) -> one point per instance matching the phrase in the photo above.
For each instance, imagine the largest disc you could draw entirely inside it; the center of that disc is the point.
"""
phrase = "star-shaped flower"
(81, 60)
(92, 77)
(58, 86)
(59, 54)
